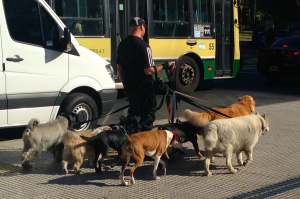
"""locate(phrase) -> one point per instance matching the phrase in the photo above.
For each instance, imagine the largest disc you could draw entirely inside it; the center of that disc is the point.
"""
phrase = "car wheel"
(84, 106)
(187, 75)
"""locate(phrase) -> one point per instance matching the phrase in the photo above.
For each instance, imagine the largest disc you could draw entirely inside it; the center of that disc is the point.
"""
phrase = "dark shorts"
(142, 100)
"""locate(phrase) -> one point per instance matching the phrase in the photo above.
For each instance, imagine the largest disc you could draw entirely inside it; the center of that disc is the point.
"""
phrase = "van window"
(28, 22)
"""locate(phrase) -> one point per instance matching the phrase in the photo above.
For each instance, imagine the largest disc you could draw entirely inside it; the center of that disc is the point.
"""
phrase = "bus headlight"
(110, 70)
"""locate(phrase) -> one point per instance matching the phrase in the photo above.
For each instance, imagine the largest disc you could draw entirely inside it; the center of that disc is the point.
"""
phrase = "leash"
(185, 98)
(118, 110)
(198, 99)
(203, 107)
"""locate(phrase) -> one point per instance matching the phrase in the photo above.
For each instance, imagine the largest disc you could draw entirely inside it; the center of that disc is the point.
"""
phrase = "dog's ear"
(265, 122)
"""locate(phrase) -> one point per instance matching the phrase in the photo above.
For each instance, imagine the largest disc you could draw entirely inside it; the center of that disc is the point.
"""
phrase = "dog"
(188, 133)
(152, 143)
(244, 106)
(48, 136)
(76, 149)
(233, 135)
(107, 139)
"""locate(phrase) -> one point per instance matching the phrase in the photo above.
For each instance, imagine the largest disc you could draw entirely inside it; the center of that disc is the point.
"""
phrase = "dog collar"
(173, 138)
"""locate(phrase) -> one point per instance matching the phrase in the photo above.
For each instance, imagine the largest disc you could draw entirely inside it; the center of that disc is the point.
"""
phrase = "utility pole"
(254, 11)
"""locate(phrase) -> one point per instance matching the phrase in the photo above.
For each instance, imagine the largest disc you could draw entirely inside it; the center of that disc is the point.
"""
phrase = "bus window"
(170, 18)
(202, 11)
(83, 17)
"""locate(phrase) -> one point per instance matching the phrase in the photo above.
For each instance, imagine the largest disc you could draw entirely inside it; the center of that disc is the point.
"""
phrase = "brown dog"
(244, 106)
(76, 149)
(150, 143)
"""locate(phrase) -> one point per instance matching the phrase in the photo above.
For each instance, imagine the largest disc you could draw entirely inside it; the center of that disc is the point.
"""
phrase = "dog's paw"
(200, 155)
(233, 171)
(132, 181)
(27, 166)
(124, 183)
(208, 174)
(79, 172)
(247, 162)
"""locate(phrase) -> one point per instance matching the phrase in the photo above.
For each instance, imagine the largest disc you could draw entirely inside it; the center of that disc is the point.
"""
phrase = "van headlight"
(110, 70)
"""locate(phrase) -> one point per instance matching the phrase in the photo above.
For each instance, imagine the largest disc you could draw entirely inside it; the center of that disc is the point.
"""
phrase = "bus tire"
(187, 75)
(84, 106)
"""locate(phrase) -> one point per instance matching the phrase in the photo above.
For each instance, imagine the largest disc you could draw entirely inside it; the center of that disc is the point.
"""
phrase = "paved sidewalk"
(274, 173)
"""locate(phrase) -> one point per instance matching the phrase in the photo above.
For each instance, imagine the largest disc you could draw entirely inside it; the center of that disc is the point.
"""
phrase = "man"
(135, 69)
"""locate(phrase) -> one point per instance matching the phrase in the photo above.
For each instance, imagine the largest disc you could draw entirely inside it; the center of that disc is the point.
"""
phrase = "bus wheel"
(187, 75)
(84, 106)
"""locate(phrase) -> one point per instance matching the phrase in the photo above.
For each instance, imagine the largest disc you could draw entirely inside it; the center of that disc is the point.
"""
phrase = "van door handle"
(14, 59)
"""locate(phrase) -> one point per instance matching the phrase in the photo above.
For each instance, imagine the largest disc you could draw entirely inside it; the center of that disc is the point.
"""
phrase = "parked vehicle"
(44, 69)
(281, 59)
(276, 34)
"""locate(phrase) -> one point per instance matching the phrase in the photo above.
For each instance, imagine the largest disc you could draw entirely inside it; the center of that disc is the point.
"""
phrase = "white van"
(40, 75)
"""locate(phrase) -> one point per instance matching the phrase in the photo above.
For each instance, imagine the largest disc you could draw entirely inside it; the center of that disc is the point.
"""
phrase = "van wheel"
(187, 75)
(84, 106)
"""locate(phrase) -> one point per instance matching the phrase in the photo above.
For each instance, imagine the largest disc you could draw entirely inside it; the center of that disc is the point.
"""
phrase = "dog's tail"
(85, 138)
(197, 119)
(33, 123)
(69, 136)
(127, 143)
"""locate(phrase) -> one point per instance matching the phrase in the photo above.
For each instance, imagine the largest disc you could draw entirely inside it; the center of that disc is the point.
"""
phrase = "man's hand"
(169, 65)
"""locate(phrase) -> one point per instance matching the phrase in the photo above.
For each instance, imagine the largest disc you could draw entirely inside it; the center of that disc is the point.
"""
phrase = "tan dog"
(76, 149)
(244, 106)
(150, 143)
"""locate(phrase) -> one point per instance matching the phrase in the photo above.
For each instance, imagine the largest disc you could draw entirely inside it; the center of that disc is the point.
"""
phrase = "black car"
(281, 59)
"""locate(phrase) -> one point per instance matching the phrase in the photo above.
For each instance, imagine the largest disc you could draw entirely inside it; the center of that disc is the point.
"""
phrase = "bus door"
(224, 41)
(121, 13)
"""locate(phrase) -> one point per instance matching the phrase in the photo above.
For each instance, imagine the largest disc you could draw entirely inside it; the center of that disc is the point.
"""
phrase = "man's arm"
(120, 72)
(151, 70)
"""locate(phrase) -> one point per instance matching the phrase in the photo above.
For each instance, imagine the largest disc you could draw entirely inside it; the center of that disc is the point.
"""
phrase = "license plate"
(273, 68)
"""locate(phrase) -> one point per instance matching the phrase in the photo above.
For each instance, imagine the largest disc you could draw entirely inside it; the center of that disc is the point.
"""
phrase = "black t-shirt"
(134, 54)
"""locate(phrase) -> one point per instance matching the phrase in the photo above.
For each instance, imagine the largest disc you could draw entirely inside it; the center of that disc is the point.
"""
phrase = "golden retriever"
(244, 106)
(76, 149)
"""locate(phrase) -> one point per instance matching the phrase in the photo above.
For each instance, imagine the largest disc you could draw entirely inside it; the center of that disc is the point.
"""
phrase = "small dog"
(48, 136)
(152, 143)
(105, 140)
(233, 135)
(188, 133)
(76, 149)
(244, 106)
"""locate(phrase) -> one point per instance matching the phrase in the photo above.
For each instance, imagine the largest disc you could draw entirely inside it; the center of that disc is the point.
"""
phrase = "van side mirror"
(66, 40)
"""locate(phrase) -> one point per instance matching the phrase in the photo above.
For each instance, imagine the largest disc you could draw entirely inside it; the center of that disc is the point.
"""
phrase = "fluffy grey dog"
(47, 136)
(233, 135)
